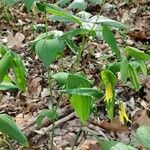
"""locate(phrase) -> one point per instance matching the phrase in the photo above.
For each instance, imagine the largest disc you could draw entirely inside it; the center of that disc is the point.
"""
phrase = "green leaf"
(114, 145)
(78, 4)
(143, 67)
(83, 14)
(136, 53)
(81, 104)
(143, 137)
(5, 63)
(7, 86)
(8, 127)
(124, 69)
(83, 92)
(134, 78)
(76, 32)
(19, 72)
(96, 1)
(28, 3)
(71, 44)
(3, 49)
(114, 67)
(111, 41)
(55, 10)
(48, 50)
(106, 21)
(61, 78)
(9, 2)
(51, 114)
(108, 77)
(62, 2)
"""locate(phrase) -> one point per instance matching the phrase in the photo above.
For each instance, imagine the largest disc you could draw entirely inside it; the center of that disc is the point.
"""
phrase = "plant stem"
(77, 136)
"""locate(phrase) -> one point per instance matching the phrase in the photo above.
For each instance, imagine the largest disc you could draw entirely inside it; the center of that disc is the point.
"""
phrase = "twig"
(57, 123)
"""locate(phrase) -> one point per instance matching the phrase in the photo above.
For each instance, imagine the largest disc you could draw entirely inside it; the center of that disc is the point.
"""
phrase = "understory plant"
(12, 77)
(141, 141)
(127, 64)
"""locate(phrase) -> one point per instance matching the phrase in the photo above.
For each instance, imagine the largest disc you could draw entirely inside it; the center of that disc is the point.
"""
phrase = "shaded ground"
(24, 107)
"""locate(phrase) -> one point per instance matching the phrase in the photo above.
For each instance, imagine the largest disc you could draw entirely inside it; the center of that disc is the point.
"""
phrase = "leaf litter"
(26, 106)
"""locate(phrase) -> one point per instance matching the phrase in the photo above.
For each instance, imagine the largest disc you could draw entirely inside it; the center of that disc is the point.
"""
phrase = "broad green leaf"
(83, 92)
(114, 145)
(143, 67)
(48, 49)
(124, 69)
(28, 3)
(19, 72)
(8, 127)
(76, 32)
(110, 40)
(58, 18)
(136, 53)
(96, 1)
(78, 4)
(62, 2)
(81, 104)
(9, 2)
(61, 77)
(108, 77)
(142, 136)
(71, 44)
(3, 50)
(114, 67)
(7, 86)
(51, 114)
(55, 10)
(134, 78)
(77, 81)
(83, 14)
(106, 21)
(5, 63)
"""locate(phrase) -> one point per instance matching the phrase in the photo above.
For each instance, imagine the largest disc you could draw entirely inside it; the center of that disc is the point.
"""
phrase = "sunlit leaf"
(48, 50)
(143, 137)
(83, 92)
(111, 41)
(136, 53)
(124, 69)
(5, 63)
(78, 4)
(19, 72)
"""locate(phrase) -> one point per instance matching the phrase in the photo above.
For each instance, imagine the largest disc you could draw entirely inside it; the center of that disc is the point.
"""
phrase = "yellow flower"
(108, 92)
(122, 113)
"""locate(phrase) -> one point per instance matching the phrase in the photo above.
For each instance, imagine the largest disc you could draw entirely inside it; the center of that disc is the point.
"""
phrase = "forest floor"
(17, 33)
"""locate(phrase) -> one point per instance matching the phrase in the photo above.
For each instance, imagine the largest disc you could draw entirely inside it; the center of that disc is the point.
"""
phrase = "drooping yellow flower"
(122, 113)
(108, 92)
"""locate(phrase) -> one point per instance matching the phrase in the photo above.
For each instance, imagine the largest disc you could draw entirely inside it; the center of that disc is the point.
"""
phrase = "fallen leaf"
(15, 40)
(114, 126)
(142, 118)
(89, 144)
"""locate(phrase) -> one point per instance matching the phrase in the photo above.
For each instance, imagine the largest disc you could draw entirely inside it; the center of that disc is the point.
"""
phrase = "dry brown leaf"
(35, 87)
(90, 144)
(142, 117)
(15, 40)
(114, 126)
